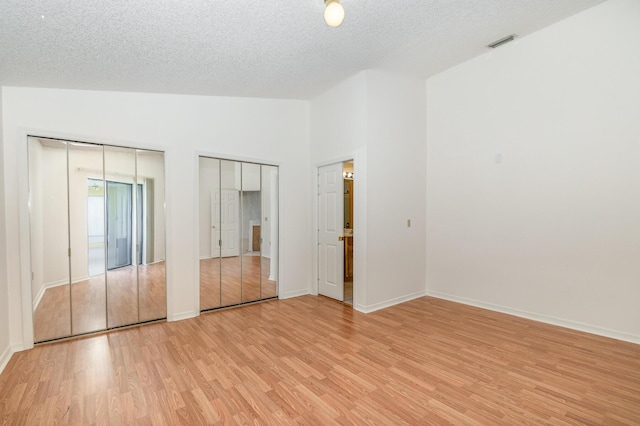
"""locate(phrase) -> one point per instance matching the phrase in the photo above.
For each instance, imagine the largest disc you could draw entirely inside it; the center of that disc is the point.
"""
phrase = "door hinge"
(220, 243)
(69, 252)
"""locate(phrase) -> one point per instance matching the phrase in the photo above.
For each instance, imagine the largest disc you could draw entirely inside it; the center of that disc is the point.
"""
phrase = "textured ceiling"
(275, 49)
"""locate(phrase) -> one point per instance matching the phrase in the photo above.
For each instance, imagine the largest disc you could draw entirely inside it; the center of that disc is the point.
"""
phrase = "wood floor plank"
(310, 360)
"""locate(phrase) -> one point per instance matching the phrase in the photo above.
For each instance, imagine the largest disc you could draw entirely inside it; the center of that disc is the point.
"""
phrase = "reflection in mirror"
(269, 232)
(209, 199)
(238, 247)
(231, 233)
(250, 231)
(97, 237)
(121, 230)
(87, 238)
(151, 236)
(50, 285)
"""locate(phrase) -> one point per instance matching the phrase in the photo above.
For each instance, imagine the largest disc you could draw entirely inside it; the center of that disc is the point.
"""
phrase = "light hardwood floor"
(240, 280)
(52, 317)
(310, 360)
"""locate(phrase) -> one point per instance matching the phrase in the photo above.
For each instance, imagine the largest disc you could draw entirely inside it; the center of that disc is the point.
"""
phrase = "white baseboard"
(573, 325)
(38, 298)
(47, 286)
(182, 316)
(388, 303)
(5, 356)
(294, 294)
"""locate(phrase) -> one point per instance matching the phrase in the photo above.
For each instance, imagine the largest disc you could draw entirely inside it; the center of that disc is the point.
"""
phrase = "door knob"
(340, 238)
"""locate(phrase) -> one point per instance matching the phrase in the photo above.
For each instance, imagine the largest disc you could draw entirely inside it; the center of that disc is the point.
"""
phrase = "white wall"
(378, 119)
(269, 131)
(5, 342)
(396, 181)
(553, 230)
(339, 133)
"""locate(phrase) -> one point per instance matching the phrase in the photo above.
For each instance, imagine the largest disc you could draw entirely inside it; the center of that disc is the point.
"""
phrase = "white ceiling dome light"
(333, 13)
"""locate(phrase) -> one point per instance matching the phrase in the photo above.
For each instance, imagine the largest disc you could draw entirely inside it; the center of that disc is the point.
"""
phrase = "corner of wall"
(5, 347)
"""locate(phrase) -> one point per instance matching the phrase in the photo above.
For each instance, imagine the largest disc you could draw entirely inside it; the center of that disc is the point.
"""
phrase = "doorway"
(335, 231)
(119, 223)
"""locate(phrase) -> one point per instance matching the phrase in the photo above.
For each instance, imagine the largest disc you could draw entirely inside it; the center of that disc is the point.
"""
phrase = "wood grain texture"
(89, 306)
(310, 360)
(237, 280)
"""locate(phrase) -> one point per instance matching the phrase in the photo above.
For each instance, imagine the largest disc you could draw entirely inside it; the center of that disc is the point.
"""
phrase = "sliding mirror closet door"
(87, 238)
(97, 237)
(121, 230)
(210, 233)
(250, 228)
(230, 231)
(238, 209)
(269, 232)
(150, 233)
(48, 215)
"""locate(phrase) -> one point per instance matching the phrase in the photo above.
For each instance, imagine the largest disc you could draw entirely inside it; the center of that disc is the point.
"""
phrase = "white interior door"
(225, 208)
(330, 232)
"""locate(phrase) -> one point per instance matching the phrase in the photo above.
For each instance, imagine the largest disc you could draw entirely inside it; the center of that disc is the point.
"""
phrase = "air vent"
(502, 41)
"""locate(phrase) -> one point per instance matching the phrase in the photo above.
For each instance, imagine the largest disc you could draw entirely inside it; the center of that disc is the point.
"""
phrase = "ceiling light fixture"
(333, 13)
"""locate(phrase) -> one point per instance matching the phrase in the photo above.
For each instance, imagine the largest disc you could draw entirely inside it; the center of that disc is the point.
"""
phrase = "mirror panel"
(121, 227)
(152, 288)
(209, 184)
(93, 233)
(251, 226)
(238, 232)
(269, 232)
(231, 232)
(49, 232)
(87, 237)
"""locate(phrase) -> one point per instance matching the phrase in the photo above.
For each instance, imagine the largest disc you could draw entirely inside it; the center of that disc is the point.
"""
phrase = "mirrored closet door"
(238, 232)
(97, 237)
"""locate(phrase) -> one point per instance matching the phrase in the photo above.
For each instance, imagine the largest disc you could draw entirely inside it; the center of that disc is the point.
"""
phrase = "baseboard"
(388, 303)
(47, 286)
(294, 294)
(182, 316)
(38, 298)
(573, 325)
(5, 357)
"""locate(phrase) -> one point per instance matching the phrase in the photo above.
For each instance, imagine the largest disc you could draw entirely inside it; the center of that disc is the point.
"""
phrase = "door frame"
(359, 228)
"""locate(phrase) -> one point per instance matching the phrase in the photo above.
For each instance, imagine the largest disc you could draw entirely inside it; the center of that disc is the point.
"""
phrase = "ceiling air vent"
(502, 41)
